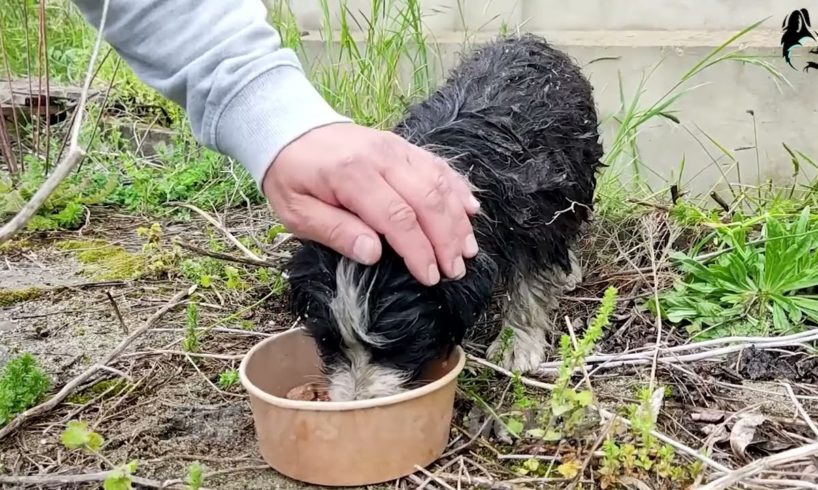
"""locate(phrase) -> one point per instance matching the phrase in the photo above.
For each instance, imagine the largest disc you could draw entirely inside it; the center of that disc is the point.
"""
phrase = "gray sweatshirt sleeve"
(245, 95)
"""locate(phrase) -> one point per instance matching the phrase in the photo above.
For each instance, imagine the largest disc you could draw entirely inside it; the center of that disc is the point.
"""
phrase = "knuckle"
(402, 215)
(436, 197)
(336, 233)
(347, 161)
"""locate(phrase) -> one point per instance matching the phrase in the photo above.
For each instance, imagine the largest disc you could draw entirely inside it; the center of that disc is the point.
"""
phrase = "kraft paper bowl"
(355, 443)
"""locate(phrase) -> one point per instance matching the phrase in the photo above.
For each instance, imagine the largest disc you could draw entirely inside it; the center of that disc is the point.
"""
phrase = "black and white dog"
(518, 119)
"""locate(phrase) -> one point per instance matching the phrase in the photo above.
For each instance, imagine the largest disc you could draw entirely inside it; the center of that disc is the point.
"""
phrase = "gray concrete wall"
(628, 38)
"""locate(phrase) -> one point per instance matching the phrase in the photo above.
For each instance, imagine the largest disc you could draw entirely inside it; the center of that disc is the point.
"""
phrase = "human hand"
(342, 184)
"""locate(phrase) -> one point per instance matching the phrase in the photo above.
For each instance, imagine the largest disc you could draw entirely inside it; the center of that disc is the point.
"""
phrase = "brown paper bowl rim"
(331, 406)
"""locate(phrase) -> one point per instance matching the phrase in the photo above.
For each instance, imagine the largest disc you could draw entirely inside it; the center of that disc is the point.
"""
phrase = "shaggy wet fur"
(517, 117)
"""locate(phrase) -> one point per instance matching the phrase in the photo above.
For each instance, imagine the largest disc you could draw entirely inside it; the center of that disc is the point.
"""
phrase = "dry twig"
(63, 480)
(235, 241)
(117, 312)
(668, 354)
(760, 465)
(231, 258)
(800, 408)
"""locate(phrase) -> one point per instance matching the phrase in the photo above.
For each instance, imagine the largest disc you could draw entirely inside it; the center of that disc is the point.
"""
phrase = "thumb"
(337, 229)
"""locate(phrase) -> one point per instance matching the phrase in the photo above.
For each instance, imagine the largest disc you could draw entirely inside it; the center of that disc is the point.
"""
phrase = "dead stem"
(758, 466)
(231, 258)
(800, 408)
(247, 252)
(117, 312)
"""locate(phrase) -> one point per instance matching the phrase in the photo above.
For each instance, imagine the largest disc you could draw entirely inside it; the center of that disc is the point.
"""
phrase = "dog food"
(309, 392)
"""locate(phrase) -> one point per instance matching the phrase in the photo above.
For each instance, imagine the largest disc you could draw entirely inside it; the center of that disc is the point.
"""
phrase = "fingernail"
(474, 203)
(459, 268)
(363, 250)
(470, 248)
(434, 275)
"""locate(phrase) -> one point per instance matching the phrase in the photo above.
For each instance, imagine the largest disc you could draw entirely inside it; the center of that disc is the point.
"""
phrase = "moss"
(104, 261)
(10, 297)
(117, 387)
(18, 245)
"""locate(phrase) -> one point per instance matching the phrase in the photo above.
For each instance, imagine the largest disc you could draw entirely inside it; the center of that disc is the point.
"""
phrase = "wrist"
(271, 112)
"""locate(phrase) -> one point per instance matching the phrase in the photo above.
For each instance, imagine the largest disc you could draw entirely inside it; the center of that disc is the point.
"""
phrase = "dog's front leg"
(529, 316)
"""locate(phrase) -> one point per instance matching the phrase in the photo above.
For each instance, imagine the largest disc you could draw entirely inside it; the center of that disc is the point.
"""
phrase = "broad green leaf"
(76, 436)
(584, 398)
(515, 426)
(119, 479)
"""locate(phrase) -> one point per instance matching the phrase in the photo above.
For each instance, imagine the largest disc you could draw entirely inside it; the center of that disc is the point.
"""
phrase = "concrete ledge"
(489, 15)
(759, 38)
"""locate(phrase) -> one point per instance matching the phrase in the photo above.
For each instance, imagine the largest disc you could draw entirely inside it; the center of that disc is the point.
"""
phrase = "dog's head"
(376, 327)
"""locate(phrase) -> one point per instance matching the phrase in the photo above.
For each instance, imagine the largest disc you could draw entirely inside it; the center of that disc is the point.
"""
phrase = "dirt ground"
(170, 411)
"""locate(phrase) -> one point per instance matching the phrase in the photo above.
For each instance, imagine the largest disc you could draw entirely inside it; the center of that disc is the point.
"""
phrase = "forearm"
(244, 94)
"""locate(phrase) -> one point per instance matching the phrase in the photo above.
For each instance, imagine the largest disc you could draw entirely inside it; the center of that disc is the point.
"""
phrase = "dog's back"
(517, 118)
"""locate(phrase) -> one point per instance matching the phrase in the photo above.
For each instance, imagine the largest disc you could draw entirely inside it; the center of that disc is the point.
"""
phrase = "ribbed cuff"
(269, 113)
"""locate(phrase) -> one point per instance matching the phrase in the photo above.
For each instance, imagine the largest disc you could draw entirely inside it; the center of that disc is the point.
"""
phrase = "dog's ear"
(464, 300)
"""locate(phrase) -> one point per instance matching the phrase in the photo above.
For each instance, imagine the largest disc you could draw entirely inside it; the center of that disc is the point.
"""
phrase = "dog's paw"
(522, 354)
(574, 278)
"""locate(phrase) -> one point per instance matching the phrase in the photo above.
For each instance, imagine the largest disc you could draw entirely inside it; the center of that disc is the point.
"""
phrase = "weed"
(228, 378)
(22, 384)
(506, 336)
(191, 341)
(77, 436)
(639, 453)
(567, 407)
(194, 478)
(15, 245)
(234, 281)
(752, 284)
(66, 208)
(634, 115)
(363, 78)
(105, 261)
(533, 468)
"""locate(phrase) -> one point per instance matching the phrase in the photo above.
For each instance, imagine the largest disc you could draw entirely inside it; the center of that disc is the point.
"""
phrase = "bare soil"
(165, 408)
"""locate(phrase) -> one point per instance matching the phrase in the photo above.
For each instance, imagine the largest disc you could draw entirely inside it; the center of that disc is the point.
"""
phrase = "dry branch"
(760, 465)
(85, 375)
(72, 157)
(63, 480)
(668, 355)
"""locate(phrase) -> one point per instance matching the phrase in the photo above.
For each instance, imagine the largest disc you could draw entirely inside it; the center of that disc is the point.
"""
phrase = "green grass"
(373, 74)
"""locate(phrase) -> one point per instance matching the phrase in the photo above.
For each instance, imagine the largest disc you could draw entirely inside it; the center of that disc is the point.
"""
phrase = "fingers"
(374, 200)
(428, 189)
(336, 228)
(460, 186)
